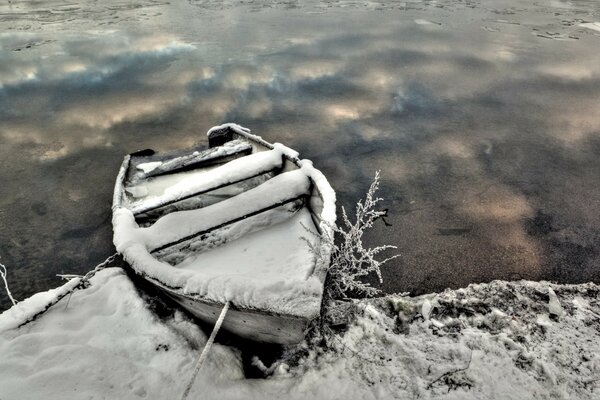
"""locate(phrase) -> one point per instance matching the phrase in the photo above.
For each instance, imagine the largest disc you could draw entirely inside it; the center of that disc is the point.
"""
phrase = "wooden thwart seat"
(203, 158)
(234, 172)
(285, 190)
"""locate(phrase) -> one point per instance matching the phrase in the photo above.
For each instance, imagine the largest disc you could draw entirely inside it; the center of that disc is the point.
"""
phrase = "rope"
(3, 275)
(205, 351)
(81, 284)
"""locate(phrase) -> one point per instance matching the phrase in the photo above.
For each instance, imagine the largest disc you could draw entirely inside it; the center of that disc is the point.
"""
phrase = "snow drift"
(494, 341)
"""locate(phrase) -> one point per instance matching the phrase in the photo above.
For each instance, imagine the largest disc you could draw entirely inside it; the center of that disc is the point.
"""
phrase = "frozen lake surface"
(482, 115)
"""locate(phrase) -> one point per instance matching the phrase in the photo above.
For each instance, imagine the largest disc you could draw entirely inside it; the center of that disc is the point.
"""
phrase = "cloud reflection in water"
(487, 138)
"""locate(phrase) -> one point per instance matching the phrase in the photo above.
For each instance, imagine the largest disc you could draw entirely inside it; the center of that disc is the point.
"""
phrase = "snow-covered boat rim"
(300, 300)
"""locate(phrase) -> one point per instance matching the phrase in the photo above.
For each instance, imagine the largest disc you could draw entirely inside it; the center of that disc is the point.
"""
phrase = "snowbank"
(27, 309)
(105, 344)
(521, 340)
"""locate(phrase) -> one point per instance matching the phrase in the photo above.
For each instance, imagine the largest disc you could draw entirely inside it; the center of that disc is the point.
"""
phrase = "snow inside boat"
(229, 224)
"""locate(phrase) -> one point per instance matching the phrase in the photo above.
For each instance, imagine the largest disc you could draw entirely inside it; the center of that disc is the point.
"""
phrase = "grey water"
(482, 115)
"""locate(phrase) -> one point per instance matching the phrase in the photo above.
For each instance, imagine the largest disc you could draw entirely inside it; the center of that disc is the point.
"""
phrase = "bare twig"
(454, 371)
(68, 300)
(3, 275)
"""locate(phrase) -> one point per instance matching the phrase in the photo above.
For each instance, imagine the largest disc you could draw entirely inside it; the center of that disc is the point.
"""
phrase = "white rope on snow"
(205, 351)
(3, 275)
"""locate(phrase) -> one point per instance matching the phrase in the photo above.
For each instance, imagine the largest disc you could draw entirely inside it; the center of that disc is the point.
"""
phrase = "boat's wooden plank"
(254, 325)
(247, 182)
(176, 253)
(185, 162)
(292, 204)
(187, 185)
(205, 198)
(180, 226)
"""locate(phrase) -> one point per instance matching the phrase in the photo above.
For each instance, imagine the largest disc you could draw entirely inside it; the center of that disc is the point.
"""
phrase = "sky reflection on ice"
(481, 115)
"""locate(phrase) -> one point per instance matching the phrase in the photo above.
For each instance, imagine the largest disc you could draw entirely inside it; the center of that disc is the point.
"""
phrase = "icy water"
(483, 116)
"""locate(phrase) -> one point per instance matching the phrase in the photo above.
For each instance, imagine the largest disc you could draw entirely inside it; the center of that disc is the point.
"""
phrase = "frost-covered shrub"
(351, 261)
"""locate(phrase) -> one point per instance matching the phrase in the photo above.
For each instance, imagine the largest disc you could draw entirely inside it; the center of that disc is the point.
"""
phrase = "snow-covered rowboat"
(229, 224)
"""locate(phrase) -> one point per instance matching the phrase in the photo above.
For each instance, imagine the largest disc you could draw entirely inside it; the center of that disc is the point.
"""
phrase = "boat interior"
(256, 202)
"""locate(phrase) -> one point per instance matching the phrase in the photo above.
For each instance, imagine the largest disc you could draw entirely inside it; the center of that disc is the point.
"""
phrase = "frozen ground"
(520, 340)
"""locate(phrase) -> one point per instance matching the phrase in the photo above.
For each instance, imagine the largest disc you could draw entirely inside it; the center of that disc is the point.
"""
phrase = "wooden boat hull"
(250, 323)
(253, 325)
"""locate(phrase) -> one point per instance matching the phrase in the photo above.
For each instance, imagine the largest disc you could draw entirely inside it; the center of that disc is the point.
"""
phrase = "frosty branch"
(351, 260)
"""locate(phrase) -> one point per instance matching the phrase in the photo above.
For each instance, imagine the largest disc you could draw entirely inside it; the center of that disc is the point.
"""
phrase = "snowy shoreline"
(501, 340)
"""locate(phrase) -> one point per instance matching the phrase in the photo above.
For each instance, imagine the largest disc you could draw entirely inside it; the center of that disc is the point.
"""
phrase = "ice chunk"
(426, 309)
(137, 191)
(554, 307)
(149, 166)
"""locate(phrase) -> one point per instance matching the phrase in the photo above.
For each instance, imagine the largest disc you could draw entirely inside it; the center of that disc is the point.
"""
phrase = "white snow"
(328, 214)
(481, 342)
(105, 344)
(149, 166)
(137, 191)
(180, 224)
(234, 126)
(595, 26)
(284, 292)
(166, 188)
(274, 260)
(26, 309)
